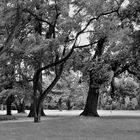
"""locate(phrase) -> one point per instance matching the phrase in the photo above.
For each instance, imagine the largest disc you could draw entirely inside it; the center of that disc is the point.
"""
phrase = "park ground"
(67, 125)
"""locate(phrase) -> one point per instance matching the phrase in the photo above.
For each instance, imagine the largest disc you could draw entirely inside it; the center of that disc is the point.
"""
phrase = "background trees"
(39, 38)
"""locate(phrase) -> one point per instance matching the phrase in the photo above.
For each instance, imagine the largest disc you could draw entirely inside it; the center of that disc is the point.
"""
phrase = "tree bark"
(92, 99)
(8, 104)
(91, 103)
(31, 113)
(68, 103)
(9, 101)
(39, 100)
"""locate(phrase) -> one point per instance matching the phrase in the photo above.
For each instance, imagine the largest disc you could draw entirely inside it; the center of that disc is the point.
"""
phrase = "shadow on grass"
(7, 117)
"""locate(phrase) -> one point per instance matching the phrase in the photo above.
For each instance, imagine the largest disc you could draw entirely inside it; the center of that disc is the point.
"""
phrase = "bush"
(52, 106)
(78, 106)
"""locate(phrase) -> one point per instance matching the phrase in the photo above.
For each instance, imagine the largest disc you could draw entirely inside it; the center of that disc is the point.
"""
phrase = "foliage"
(126, 94)
(127, 86)
(70, 86)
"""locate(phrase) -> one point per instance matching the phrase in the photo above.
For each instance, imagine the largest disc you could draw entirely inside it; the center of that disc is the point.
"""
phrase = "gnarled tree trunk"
(31, 113)
(91, 102)
(39, 100)
(92, 98)
(93, 93)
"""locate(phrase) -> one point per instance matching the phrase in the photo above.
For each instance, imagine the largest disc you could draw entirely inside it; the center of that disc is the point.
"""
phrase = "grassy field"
(121, 125)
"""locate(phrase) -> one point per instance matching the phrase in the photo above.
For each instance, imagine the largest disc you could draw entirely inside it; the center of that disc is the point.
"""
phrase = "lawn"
(72, 127)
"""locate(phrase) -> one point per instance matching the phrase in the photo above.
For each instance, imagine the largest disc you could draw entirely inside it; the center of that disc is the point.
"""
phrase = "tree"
(121, 31)
(60, 61)
(97, 15)
(48, 31)
(9, 27)
(7, 84)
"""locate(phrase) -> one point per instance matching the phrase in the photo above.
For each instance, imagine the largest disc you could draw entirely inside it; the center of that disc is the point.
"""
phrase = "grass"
(117, 127)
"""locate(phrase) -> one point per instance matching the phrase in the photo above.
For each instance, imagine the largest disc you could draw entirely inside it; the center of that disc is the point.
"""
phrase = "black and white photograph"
(69, 70)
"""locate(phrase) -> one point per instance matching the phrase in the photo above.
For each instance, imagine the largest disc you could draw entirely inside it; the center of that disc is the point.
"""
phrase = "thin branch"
(80, 9)
(87, 45)
(126, 68)
(69, 40)
(89, 31)
(59, 61)
(123, 69)
(40, 19)
(96, 18)
(117, 2)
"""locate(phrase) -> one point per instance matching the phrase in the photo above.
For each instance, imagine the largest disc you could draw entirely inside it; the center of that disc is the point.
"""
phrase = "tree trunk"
(91, 103)
(59, 104)
(68, 103)
(8, 104)
(92, 99)
(37, 116)
(31, 113)
(9, 101)
(39, 100)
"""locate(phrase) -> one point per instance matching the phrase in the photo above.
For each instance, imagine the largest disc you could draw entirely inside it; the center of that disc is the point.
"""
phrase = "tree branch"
(123, 69)
(87, 45)
(40, 19)
(58, 75)
(96, 18)
(126, 68)
(59, 61)
(133, 73)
